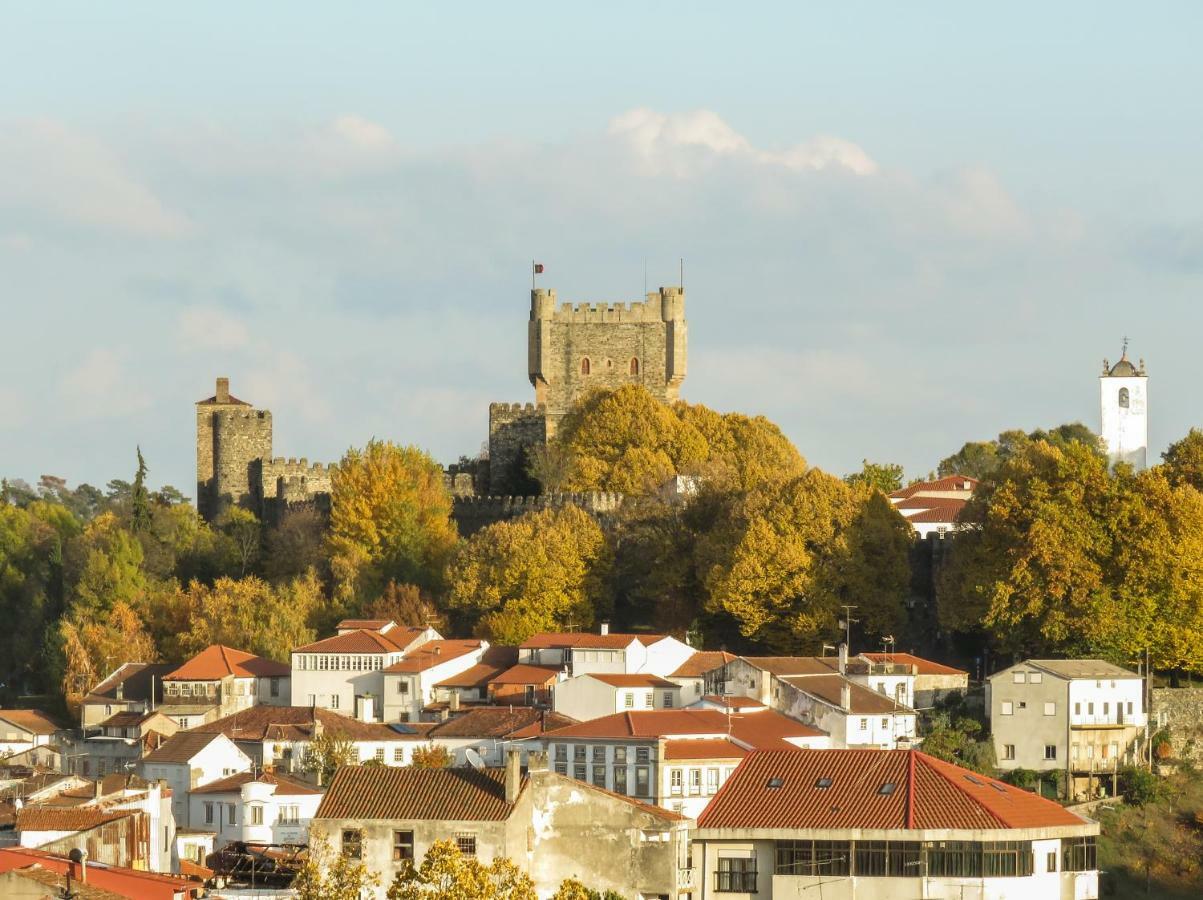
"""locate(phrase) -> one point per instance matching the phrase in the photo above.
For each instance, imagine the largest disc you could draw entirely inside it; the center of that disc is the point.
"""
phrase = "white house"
(1082, 716)
(606, 653)
(190, 759)
(254, 807)
(408, 685)
(879, 825)
(597, 694)
(219, 681)
(934, 507)
(24, 729)
(333, 672)
(927, 682)
(690, 676)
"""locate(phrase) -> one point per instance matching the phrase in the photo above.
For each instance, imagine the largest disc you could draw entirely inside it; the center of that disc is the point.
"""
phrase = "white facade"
(254, 812)
(219, 758)
(405, 694)
(1124, 414)
(591, 697)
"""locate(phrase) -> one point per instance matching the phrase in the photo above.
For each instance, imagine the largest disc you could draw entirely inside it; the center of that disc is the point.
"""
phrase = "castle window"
(1123, 398)
(585, 366)
(634, 365)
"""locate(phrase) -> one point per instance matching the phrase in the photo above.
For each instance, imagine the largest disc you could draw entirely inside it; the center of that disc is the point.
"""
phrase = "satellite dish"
(474, 759)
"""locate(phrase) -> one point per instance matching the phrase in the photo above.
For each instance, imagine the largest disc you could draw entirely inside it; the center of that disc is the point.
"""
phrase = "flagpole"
(532, 274)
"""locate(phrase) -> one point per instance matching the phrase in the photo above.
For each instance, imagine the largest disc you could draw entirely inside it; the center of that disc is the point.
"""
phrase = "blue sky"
(904, 226)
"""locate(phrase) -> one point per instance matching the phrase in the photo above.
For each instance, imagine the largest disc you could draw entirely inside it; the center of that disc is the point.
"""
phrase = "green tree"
(980, 459)
(885, 477)
(390, 520)
(447, 874)
(540, 572)
(1183, 461)
(244, 532)
(571, 889)
(140, 499)
(105, 567)
(876, 573)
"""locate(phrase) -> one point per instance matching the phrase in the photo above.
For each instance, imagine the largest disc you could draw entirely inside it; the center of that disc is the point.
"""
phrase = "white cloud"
(207, 327)
(67, 177)
(99, 387)
(362, 133)
(685, 143)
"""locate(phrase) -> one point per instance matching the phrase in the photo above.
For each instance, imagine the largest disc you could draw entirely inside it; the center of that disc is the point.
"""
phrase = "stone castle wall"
(513, 428)
(474, 513)
(1181, 711)
(242, 438)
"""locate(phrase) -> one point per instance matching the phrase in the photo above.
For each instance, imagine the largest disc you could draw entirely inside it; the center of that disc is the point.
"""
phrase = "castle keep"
(574, 349)
(235, 466)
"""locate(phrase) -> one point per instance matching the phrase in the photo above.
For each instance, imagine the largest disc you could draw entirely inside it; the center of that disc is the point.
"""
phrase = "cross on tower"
(1125, 353)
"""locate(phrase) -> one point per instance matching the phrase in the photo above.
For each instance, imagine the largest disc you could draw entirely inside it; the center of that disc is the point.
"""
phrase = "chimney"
(605, 628)
(513, 775)
(845, 696)
(536, 761)
(365, 707)
(843, 669)
(97, 789)
(223, 390)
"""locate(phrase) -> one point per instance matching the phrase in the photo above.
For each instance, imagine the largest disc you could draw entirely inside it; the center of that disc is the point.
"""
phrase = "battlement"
(243, 415)
(294, 466)
(516, 408)
(293, 479)
(474, 513)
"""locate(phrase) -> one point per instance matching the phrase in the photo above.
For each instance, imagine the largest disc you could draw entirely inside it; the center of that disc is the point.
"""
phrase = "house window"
(599, 776)
(1019, 677)
(815, 858)
(403, 845)
(334, 701)
(711, 781)
(864, 724)
(398, 754)
(579, 752)
(1008, 751)
(1106, 709)
(1050, 708)
(885, 723)
(620, 755)
(562, 752)
(634, 365)
(466, 842)
(648, 701)
(1129, 707)
(1050, 864)
(1078, 855)
(1077, 709)
(620, 779)
(232, 813)
(1090, 709)
(585, 365)
(695, 782)
(1008, 708)
(735, 875)
(599, 753)
(379, 755)
(579, 771)
(183, 721)
(628, 700)
(352, 843)
(1050, 751)
(290, 815)
(275, 687)
(642, 784)
(208, 813)
(642, 754)
(674, 782)
(1123, 398)
(402, 686)
(256, 814)
(668, 699)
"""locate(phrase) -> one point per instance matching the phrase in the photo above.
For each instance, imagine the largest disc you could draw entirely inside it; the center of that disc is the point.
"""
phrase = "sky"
(904, 226)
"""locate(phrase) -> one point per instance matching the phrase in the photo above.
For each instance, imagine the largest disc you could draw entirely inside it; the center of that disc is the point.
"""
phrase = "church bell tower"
(1124, 411)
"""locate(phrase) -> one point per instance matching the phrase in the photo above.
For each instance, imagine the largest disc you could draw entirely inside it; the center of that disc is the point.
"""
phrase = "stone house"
(219, 681)
(190, 759)
(1080, 716)
(255, 807)
(550, 826)
(345, 672)
(525, 685)
(882, 824)
(677, 759)
(120, 740)
(595, 694)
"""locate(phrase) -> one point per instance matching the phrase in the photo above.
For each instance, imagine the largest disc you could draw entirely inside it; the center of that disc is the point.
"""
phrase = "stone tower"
(1124, 411)
(573, 349)
(232, 441)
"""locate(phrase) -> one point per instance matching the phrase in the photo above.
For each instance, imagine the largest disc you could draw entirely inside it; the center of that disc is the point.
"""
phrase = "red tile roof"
(121, 881)
(947, 483)
(497, 722)
(922, 666)
(493, 662)
(794, 665)
(384, 792)
(766, 729)
(937, 515)
(296, 723)
(927, 793)
(70, 818)
(181, 747)
(632, 681)
(32, 720)
(362, 624)
(524, 673)
(587, 640)
(733, 702)
(703, 748)
(216, 662)
(861, 700)
(285, 787)
(701, 662)
(362, 641)
(432, 653)
(231, 399)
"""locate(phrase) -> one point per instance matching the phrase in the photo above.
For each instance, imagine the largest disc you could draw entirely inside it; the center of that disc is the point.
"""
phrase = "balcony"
(1111, 720)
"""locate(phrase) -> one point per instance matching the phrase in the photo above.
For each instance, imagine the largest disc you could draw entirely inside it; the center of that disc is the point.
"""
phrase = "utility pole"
(847, 624)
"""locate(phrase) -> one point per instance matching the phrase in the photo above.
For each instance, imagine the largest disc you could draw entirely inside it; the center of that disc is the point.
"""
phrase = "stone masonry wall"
(474, 513)
(1181, 711)
(513, 427)
(242, 438)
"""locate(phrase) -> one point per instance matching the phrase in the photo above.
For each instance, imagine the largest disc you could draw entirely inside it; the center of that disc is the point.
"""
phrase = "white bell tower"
(1124, 411)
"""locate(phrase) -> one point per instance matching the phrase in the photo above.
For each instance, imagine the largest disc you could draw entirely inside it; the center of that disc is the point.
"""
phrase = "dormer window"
(585, 366)
(1123, 398)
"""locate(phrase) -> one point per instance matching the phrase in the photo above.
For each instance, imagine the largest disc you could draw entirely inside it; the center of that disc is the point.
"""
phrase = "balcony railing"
(1109, 720)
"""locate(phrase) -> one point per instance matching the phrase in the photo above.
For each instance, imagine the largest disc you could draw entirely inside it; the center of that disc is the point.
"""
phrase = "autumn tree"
(390, 520)
(884, 477)
(405, 604)
(875, 574)
(447, 874)
(542, 571)
(327, 875)
(294, 545)
(980, 459)
(571, 889)
(89, 646)
(245, 534)
(432, 756)
(328, 750)
(1183, 461)
(104, 567)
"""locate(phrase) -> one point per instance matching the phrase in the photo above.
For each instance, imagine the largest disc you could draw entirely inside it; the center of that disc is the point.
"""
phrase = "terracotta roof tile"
(622, 681)
(765, 729)
(587, 640)
(703, 748)
(231, 400)
(181, 747)
(491, 665)
(701, 662)
(922, 666)
(216, 662)
(861, 700)
(31, 720)
(384, 792)
(525, 673)
(285, 787)
(927, 793)
(432, 653)
(947, 483)
(491, 722)
(794, 665)
(361, 641)
(58, 818)
(135, 680)
(296, 723)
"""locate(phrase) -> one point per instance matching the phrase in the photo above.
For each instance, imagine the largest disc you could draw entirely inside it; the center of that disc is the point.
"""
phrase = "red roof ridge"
(948, 778)
(910, 788)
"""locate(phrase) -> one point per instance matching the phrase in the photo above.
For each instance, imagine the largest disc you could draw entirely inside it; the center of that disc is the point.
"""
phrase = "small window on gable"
(634, 365)
(585, 366)
(1123, 398)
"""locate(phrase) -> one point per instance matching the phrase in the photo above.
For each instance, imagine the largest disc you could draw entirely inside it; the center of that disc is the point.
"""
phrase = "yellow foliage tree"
(390, 519)
(540, 572)
(447, 874)
(90, 648)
